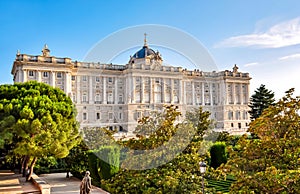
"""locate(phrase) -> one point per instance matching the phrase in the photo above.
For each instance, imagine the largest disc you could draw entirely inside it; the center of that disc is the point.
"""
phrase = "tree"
(260, 100)
(38, 120)
(218, 154)
(269, 163)
(181, 173)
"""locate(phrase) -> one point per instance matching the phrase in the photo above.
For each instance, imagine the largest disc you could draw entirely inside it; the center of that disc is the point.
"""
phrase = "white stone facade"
(118, 95)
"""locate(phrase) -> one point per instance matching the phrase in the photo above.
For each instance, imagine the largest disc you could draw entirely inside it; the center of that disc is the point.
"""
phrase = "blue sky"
(261, 37)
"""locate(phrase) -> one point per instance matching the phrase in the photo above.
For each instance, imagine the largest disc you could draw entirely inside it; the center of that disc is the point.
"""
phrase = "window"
(97, 98)
(120, 98)
(31, 73)
(98, 115)
(110, 98)
(230, 115)
(238, 115)
(110, 116)
(110, 80)
(139, 115)
(240, 125)
(58, 75)
(73, 78)
(232, 125)
(120, 116)
(45, 74)
(74, 97)
(84, 78)
(84, 98)
(97, 79)
(84, 116)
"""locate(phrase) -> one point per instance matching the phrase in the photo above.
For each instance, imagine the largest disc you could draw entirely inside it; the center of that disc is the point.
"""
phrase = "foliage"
(94, 168)
(261, 100)
(109, 163)
(218, 154)
(77, 160)
(178, 175)
(269, 163)
(37, 120)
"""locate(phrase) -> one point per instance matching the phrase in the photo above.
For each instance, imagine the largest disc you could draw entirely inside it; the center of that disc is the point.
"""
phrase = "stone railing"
(43, 186)
(42, 59)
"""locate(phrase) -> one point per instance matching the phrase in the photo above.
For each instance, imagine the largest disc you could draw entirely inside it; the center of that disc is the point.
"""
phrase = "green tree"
(39, 121)
(218, 154)
(260, 100)
(178, 175)
(269, 163)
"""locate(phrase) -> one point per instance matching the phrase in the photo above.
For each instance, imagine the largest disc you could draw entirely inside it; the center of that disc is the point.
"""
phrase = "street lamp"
(202, 171)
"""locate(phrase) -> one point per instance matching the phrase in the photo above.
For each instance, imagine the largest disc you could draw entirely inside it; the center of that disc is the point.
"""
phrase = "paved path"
(62, 185)
(11, 183)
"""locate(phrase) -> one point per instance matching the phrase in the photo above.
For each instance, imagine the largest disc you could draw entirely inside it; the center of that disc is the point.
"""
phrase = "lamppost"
(202, 171)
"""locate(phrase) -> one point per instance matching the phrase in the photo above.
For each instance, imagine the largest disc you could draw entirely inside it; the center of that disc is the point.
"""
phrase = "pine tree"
(261, 100)
(38, 121)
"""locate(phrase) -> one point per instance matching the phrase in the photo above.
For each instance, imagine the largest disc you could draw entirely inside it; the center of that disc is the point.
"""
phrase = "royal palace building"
(117, 96)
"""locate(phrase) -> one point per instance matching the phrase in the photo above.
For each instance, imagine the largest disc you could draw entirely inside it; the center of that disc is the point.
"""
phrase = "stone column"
(142, 90)
(163, 88)
(91, 96)
(116, 90)
(127, 91)
(104, 91)
(25, 75)
(132, 89)
(240, 93)
(180, 91)
(184, 92)
(151, 91)
(39, 76)
(247, 92)
(68, 87)
(211, 94)
(52, 79)
(193, 93)
(78, 89)
(233, 93)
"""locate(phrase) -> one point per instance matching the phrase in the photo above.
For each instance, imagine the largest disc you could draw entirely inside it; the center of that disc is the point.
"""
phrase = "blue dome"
(145, 51)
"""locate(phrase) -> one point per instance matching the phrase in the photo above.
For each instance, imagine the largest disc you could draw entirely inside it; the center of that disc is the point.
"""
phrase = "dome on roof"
(142, 53)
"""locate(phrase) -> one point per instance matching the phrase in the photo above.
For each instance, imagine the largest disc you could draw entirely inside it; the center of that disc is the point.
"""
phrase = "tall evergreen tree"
(38, 120)
(260, 100)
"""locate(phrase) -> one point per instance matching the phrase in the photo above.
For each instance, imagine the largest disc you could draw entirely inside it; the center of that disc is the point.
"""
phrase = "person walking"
(86, 185)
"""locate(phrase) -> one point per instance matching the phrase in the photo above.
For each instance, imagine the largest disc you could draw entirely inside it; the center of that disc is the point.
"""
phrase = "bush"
(93, 162)
(77, 160)
(109, 162)
(218, 154)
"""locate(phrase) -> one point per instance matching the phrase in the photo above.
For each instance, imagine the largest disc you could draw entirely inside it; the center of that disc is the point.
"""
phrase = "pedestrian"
(86, 185)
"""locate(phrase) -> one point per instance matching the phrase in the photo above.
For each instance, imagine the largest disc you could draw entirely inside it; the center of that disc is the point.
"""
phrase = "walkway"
(11, 183)
(62, 185)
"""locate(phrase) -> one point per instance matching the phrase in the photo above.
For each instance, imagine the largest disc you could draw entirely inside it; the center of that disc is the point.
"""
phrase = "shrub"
(218, 154)
(109, 161)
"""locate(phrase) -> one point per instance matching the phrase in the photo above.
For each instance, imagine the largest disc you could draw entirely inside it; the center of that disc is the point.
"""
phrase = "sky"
(261, 37)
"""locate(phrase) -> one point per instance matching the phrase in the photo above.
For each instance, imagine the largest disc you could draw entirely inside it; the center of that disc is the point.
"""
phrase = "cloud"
(280, 35)
(290, 57)
(250, 64)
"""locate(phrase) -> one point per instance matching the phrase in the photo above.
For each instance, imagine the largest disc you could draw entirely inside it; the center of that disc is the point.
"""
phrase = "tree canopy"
(38, 120)
(269, 163)
(179, 174)
(260, 100)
